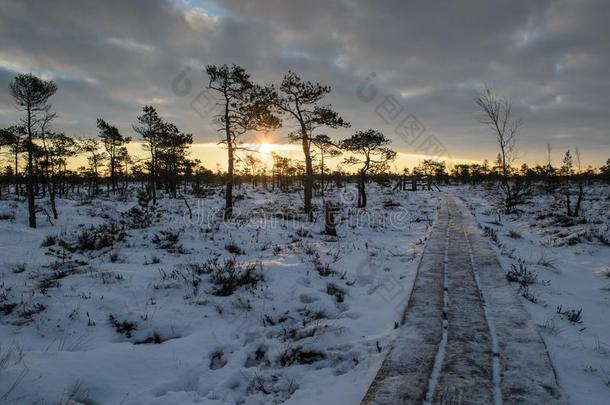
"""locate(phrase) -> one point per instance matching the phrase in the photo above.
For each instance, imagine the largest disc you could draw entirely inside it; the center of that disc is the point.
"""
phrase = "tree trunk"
(579, 200)
(361, 190)
(30, 184)
(229, 183)
(322, 173)
(52, 198)
(308, 180)
(17, 182)
(113, 174)
(153, 174)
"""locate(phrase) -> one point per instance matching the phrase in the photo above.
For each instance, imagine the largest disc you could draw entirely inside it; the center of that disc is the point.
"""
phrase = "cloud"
(549, 57)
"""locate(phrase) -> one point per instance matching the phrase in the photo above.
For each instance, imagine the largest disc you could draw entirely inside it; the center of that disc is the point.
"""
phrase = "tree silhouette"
(95, 158)
(31, 94)
(326, 147)
(14, 138)
(149, 127)
(244, 107)
(369, 150)
(113, 141)
(172, 154)
(497, 115)
(301, 102)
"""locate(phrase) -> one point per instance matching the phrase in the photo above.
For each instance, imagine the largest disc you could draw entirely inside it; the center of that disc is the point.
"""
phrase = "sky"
(407, 68)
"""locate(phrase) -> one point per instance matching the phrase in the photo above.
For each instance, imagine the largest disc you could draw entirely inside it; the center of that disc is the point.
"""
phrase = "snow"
(489, 349)
(569, 260)
(313, 324)
(314, 316)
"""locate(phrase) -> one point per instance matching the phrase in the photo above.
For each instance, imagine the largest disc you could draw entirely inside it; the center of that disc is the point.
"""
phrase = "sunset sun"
(265, 148)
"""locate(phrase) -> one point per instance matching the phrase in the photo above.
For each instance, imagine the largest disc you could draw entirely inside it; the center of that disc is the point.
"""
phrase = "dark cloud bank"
(111, 57)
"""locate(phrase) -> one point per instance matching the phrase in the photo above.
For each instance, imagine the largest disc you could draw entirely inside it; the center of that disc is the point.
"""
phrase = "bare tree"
(301, 102)
(31, 94)
(498, 117)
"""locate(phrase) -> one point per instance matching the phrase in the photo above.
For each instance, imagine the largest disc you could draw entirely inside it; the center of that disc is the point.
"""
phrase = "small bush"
(528, 295)
(233, 249)
(231, 275)
(168, 241)
(50, 240)
(5, 216)
(324, 270)
(297, 355)
(514, 234)
(520, 274)
(336, 291)
(139, 217)
(217, 360)
(154, 260)
(491, 233)
(303, 233)
(95, 238)
(571, 315)
(309, 250)
(28, 311)
(123, 327)
(19, 268)
(155, 338)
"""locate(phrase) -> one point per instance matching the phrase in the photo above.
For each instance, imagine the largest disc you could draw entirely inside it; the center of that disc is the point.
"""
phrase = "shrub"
(123, 327)
(520, 274)
(231, 275)
(234, 249)
(297, 355)
(514, 234)
(139, 217)
(95, 238)
(336, 291)
(19, 268)
(50, 240)
(168, 241)
(5, 216)
(571, 315)
(491, 233)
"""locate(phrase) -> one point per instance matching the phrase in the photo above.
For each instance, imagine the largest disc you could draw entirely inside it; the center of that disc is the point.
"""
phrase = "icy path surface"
(465, 337)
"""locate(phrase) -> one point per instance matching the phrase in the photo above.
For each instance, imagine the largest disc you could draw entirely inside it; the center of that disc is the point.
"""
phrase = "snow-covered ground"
(571, 264)
(100, 308)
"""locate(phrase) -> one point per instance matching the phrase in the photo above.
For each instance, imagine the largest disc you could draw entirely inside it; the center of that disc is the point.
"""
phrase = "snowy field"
(568, 266)
(118, 303)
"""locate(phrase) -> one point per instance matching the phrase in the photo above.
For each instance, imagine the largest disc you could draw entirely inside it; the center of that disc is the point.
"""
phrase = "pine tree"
(300, 101)
(113, 141)
(244, 107)
(370, 150)
(149, 127)
(31, 95)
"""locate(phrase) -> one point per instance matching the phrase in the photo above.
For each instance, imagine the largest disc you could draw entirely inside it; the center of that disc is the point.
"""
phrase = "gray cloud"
(108, 58)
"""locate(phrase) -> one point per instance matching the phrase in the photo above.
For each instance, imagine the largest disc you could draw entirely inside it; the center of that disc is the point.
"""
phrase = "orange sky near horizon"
(214, 155)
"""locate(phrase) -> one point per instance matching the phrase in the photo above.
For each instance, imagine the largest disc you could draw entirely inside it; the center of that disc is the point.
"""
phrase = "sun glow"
(265, 148)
